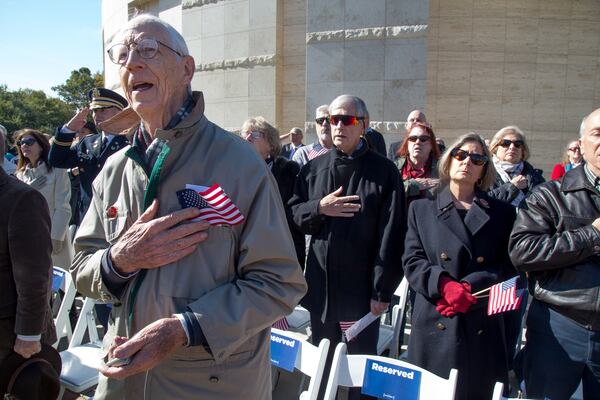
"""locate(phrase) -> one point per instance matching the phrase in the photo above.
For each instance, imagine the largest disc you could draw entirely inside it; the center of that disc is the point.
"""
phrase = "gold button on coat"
(480, 259)
(444, 256)
(440, 326)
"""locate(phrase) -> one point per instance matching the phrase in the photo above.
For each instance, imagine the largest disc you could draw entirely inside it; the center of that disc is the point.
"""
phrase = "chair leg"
(61, 393)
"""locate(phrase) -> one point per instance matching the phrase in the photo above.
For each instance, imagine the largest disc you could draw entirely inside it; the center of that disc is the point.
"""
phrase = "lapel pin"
(111, 212)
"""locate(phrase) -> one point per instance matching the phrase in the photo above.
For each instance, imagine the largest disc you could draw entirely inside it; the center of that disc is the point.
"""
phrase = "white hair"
(323, 109)
(582, 127)
(360, 108)
(176, 41)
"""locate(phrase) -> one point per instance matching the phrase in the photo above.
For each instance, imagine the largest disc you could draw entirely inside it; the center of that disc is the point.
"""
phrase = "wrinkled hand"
(427, 183)
(74, 171)
(456, 294)
(378, 307)
(444, 308)
(38, 182)
(57, 246)
(147, 348)
(26, 348)
(151, 243)
(78, 121)
(520, 181)
(334, 205)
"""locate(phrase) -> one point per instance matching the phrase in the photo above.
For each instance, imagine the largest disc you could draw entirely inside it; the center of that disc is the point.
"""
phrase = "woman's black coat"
(285, 172)
(507, 192)
(476, 252)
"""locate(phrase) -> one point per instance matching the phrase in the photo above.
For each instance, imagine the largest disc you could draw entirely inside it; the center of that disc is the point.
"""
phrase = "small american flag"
(315, 153)
(344, 325)
(505, 296)
(215, 206)
(282, 324)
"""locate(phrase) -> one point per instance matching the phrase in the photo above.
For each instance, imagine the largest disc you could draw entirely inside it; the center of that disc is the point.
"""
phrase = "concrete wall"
(533, 63)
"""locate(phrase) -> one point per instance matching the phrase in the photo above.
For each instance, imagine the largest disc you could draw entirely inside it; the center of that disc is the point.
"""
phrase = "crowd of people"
(199, 240)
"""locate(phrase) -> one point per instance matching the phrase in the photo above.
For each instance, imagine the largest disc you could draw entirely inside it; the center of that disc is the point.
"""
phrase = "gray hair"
(270, 133)
(360, 108)
(515, 130)
(324, 109)
(176, 41)
(489, 172)
(582, 127)
(296, 130)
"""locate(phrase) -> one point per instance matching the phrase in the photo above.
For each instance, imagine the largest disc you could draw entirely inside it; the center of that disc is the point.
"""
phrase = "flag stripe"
(215, 206)
(504, 296)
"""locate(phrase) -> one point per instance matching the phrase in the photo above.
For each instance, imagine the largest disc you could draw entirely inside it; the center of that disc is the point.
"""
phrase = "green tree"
(74, 90)
(27, 108)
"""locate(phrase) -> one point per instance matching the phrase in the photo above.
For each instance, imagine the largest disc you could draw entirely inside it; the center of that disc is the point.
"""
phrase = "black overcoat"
(475, 251)
(351, 260)
(87, 156)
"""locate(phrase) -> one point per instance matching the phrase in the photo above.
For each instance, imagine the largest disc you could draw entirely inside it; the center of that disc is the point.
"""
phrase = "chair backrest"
(86, 323)
(348, 371)
(310, 361)
(398, 316)
(62, 280)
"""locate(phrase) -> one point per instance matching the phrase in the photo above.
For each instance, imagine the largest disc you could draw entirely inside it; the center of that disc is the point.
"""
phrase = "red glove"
(456, 294)
(445, 309)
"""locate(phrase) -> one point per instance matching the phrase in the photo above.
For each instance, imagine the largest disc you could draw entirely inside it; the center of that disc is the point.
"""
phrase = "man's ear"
(580, 146)
(189, 68)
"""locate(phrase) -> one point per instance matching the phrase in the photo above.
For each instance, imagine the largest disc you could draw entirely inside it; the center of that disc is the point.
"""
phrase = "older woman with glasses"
(515, 177)
(417, 159)
(264, 137)
(53, 183)
(455, 247)
(572, 158)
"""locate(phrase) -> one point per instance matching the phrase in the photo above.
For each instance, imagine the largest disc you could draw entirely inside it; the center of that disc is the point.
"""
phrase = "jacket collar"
(576, 179)
(475, 219)
(359, 152)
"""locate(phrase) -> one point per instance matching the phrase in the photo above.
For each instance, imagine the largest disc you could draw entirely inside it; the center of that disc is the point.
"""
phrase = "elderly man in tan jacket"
(194, 298)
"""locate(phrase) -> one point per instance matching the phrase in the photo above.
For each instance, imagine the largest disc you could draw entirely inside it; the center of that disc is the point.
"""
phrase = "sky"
(42, 41)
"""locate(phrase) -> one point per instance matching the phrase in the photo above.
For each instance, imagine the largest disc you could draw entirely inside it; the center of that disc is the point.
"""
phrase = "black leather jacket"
(553, 240)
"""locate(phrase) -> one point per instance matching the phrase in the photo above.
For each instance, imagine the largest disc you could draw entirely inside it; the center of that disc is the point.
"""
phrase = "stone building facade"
(473, 65)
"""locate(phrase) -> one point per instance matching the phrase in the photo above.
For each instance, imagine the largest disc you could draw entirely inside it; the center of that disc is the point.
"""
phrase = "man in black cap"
(87, 157)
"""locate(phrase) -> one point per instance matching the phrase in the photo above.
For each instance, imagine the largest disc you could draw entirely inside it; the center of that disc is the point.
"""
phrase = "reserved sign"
(58, 278)
(284, 351)
(389, 381)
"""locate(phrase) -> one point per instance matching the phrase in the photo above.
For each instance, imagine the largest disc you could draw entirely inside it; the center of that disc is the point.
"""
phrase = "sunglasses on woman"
(28, 142)
(461, 155)
(346, 119)
(506, 143)
(420, 138)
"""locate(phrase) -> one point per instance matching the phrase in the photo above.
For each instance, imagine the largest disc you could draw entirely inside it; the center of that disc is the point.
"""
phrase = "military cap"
(104, 98)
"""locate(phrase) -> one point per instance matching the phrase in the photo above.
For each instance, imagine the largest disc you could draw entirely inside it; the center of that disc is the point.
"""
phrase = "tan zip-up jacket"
(237, 283)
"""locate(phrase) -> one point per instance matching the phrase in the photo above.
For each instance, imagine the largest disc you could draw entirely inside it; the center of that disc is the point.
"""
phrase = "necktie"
(104, 144)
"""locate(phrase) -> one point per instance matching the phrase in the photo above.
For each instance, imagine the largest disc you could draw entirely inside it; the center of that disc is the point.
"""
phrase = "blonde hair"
(489, 172)
(271, 134)
(515, 130)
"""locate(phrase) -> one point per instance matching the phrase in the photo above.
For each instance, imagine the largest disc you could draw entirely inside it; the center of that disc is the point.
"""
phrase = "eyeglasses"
(346, 119)
(254, 135)
(461, 155)
(420, 138)
(506, 143)
(322, 120)
(146, 48)
(27, 142)
(574, 149)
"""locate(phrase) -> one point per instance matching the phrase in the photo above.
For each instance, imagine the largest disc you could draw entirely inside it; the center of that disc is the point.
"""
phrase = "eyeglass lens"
(507, 143)
(421, 138)
(27, 142)
(346, 119)
(461, 155)
(321, 120)
(146, 48)
(574, 149)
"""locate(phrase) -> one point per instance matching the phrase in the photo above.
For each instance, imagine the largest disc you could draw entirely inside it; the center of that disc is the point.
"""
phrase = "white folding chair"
(62, 322)
(347, 370)
(389, 335)
(80, 361)
(310, 361)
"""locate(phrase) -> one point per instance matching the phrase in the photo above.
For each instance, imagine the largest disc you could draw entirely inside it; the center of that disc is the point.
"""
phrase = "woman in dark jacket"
(456, 245)
(265, 140)
(515, 177)
(416, 160)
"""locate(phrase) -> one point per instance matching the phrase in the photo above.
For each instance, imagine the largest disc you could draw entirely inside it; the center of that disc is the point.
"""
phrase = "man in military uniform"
(87, 157)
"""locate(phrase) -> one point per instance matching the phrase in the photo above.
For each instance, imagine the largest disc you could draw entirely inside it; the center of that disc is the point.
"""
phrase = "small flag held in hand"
(505, 296)
(215, 206)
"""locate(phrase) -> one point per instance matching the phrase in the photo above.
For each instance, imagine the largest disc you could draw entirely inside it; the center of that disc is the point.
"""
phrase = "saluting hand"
(151, 243)
(78, 121)
(334, 205)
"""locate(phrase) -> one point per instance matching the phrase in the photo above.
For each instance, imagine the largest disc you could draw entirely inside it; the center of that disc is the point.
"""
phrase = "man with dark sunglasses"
(351, 201)
(306, 153)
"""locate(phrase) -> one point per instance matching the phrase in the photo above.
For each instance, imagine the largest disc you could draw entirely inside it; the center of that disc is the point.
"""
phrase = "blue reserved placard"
(389, 381)
(57, 279)
(284, 351)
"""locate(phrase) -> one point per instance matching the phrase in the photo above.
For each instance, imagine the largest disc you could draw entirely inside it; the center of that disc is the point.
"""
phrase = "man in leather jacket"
(556, 241)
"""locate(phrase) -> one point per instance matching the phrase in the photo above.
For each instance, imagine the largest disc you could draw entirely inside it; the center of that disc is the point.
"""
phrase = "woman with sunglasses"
(264, 138)
(416, 160)
(515, 177)
(53, 183)
(572, 158)
(455, 247)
